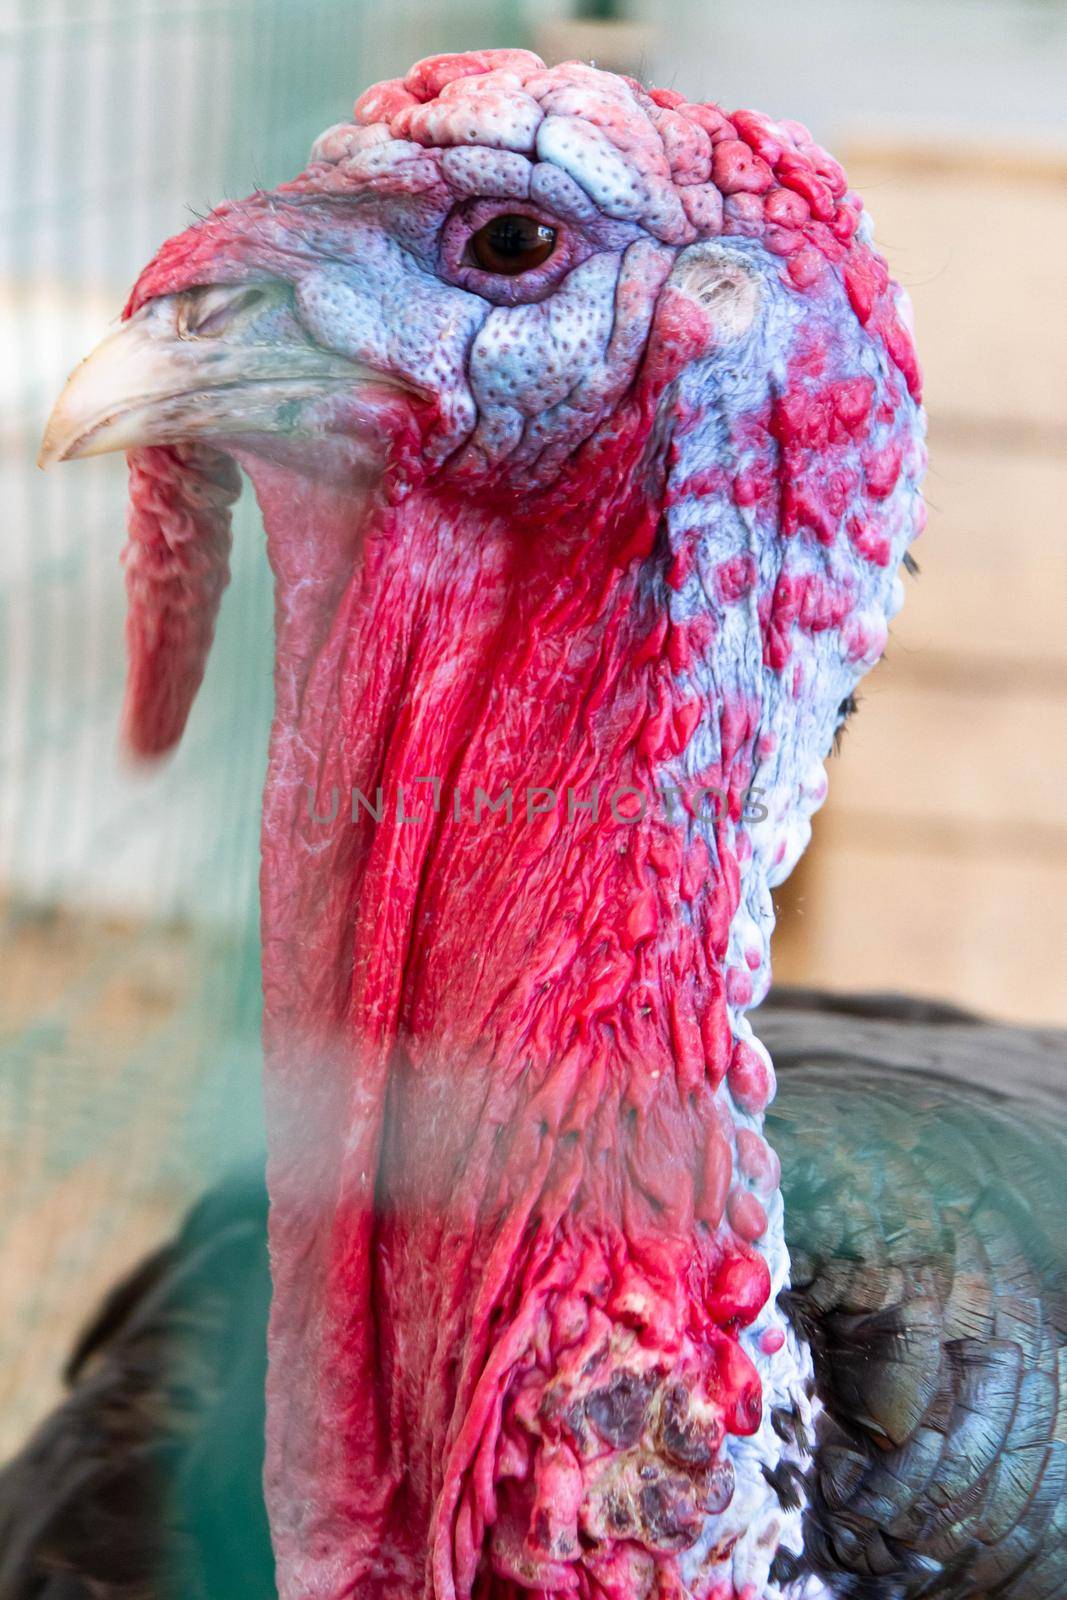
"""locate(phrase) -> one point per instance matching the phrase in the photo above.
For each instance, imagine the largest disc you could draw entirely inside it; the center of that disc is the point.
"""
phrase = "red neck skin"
(508, 1287)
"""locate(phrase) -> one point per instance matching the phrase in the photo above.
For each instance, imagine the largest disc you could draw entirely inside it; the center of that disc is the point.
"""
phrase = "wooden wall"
(939, 863)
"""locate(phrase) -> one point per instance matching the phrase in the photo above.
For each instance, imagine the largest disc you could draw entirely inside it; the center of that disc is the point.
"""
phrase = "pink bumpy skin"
(617, 536)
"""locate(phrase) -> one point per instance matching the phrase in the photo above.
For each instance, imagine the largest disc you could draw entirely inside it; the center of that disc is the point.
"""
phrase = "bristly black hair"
(844, 711)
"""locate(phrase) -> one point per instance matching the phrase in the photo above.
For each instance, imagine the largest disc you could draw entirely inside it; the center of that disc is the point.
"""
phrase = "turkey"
(585, 425)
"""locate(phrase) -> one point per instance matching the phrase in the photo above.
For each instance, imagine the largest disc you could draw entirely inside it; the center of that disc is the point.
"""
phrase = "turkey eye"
(512, 244)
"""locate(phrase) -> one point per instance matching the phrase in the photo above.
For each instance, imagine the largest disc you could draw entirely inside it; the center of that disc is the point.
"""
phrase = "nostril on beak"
(208, 313)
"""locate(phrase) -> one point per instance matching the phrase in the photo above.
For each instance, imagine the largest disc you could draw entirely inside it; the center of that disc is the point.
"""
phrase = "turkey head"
(584, 422)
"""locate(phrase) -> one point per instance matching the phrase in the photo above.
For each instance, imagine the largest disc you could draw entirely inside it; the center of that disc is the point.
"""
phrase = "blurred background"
(129, 1009)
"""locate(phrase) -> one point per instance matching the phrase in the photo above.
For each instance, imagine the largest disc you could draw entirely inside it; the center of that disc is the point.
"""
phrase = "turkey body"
(923, 1156)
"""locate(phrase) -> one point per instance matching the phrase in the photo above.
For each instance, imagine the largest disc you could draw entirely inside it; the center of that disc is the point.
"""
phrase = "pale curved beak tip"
(53, 448)
(61, 442)
(91, 415)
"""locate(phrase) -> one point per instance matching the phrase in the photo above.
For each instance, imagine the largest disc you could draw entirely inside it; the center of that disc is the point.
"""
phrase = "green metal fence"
(129, 1002)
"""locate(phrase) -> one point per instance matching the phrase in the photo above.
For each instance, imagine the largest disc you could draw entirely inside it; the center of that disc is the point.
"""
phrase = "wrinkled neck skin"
(526, 1235)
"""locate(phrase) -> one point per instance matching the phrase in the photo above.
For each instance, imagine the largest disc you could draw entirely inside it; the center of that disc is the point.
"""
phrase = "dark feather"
(145, 1483)
(923, 1159)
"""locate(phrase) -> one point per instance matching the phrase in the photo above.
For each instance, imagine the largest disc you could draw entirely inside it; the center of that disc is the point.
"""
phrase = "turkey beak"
(217, 361)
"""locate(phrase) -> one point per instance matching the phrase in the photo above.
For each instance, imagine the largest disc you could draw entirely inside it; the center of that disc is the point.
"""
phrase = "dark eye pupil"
(512, 244)
(513, 236)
